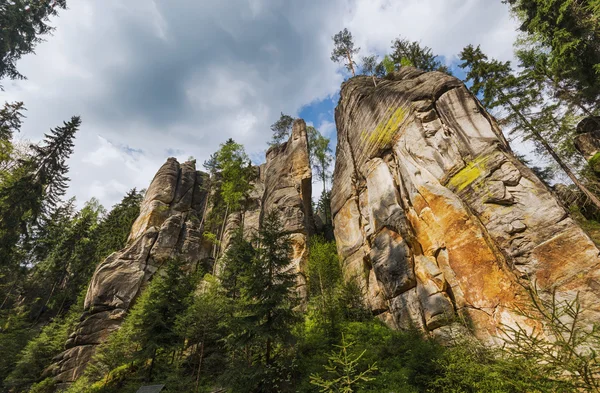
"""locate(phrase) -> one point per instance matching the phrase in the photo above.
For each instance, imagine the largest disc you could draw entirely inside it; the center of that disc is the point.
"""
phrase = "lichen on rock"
(446, 222)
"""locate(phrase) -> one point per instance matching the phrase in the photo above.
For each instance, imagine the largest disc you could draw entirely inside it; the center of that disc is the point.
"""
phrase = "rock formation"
(170, 225)
(587, 141)
(438, 220)
(284, 183)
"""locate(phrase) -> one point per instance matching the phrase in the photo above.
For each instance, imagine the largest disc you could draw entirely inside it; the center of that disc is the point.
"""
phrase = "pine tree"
(57, 280)
(407, 53)
(34, 188)
(11, 116)
(201, 324)
(23, 23)
(369, 67)
(523, 100)
(344, 50)
(281, 129)
(343, 369)
(236, 261)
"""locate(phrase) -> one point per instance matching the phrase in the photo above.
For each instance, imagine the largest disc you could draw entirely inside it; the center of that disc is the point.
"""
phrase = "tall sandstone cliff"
(437, 219)
(170, 225)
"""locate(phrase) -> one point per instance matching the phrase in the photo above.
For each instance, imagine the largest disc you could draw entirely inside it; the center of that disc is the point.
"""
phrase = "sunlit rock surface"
(438, 221)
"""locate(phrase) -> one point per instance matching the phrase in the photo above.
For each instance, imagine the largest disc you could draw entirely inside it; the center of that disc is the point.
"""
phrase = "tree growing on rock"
(281, 129)
(369, 66)
(412, 53)
(344, 50)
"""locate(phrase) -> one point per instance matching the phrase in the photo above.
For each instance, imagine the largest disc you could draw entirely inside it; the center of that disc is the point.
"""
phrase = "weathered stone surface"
(288, 189)
(169, 226)
(453, 224)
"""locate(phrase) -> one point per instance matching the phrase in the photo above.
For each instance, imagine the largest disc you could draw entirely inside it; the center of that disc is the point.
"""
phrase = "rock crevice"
(437, 219)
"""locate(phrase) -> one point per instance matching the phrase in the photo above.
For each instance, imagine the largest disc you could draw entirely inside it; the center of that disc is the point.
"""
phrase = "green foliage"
(267, 289)
(281, 129)
(150, 331)
(38, 353)
(113, 230)
(344, 50)
(23, 22)
(528, 104)
(15, 334)
(569, 32)
(407, 53)
(320, 155)
(11, 116)
(567, 351)
(236, 173)
(343, 369)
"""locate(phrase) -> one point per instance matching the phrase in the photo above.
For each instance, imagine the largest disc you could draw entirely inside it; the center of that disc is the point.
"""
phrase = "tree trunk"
(350, 62)
(152, 365)
(8, 294)
(217, 246)
(552, 153)
(201, 355)
(268, 352)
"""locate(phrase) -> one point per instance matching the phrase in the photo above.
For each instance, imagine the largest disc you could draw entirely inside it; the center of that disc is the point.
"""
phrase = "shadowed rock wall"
(436, 218)
(169, 226)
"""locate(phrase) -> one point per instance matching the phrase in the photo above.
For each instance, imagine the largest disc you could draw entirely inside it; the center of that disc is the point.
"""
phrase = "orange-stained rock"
(455, 226)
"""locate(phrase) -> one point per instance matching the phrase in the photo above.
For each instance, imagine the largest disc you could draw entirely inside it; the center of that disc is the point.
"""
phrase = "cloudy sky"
(159, 78)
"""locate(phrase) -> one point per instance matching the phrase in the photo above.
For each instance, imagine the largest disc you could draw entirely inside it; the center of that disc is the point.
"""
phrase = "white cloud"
(181, 77)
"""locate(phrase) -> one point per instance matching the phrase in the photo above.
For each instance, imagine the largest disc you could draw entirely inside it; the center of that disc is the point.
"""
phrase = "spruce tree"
(569, 31)
(113, 231)
(155, 326)
(51, 163)
(23, 23)
(268, 288)
(11, 116)
(236, 261)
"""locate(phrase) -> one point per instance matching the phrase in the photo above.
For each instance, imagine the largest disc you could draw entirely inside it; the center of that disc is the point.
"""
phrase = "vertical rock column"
(288, 189)
(169, 226)
(438, 220)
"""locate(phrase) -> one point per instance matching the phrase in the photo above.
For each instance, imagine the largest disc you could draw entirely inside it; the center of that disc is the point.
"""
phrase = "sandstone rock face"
(169, 226)
(438, 220)
(283, 183)
(288, 189)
